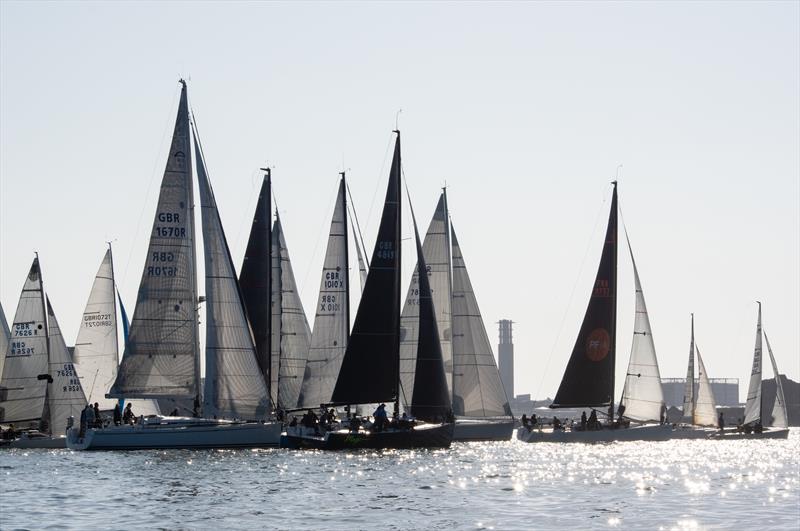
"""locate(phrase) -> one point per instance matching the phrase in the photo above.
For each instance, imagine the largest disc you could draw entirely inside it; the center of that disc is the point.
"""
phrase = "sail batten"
(589, 377)
(162, 355)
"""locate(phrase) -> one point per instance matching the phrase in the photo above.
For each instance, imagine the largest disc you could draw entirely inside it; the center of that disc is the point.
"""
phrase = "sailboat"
(699, 405)
(753, 425)
(162, 355)
(370, 368)
(96, 348)
(588, 380)
(479, 401)
(40, 389)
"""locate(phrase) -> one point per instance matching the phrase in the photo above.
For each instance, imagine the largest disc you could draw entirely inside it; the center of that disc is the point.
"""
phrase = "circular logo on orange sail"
(598, 344)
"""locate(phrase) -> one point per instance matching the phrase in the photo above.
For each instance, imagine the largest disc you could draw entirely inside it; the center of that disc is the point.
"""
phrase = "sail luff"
(275, 314)
(22, 394)
(688, 387)
(234, 387)
(752, 409)
(162, 355)
(370, 368)
(362, 268)
(780, 413)
(642, 394)
(588, 380)
(705, 407)
(5, 338)
(332, 319)
(65, 395)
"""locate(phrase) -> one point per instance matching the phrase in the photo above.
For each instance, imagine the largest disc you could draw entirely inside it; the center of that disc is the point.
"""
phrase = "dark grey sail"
(255, 276)
(161, 357)
(589, 378)
(370, 368)
(431, 398)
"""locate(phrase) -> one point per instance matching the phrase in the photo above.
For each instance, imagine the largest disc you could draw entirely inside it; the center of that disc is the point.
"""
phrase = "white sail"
(96, 354)
(331, 323)
(234, 386)
(22, 393)
(780, 414)
(705, 407)
(436, 251)
(688, 388)
(477, 388)
(362, 266)
(5, 338)
(65, 396)
(161, 358)
(290, 331)
(752, 409)
(642, 394)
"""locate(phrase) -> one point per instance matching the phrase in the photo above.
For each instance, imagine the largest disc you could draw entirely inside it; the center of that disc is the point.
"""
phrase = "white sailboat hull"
(687, 431)
(477, 429)
(178, 433)
(43, 441)
(768, 433)
(647, 432)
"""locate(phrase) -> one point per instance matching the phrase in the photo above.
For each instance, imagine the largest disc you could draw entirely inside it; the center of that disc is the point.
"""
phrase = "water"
(661, 485)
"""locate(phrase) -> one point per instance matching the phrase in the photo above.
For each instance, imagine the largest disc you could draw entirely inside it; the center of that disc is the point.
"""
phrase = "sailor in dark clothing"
(117, 414)
(583, 421)
(721, 421)
(128, 416)
(98, 420)
(354, 423)
(524, 421)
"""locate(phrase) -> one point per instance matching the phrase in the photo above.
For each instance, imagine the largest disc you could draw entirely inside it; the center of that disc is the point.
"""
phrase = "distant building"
(726, 391)
(505, 353)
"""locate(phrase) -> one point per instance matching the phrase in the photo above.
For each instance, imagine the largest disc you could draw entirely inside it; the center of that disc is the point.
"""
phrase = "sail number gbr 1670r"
(166, 231)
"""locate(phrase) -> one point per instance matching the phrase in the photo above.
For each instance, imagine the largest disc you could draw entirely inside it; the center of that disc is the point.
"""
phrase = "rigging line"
(149, 187)
(571, 296)
(358, 225)
(320, 232)
(251, 199)
(379, 180)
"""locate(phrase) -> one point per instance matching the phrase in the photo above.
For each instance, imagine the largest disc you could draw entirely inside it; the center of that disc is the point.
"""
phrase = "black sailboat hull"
(421, 436)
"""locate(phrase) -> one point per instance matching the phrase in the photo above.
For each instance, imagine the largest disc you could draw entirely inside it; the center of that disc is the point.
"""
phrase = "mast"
(346, 251)
(47, 343)
(688, 389)
(449, 261)
(397, 272)
(753, 413)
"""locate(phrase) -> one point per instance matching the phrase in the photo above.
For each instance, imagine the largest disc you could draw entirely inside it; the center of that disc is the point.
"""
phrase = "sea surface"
(509, 485)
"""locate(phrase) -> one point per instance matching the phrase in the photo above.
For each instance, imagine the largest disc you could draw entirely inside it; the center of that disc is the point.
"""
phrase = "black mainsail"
(370, 368)
(589, 378)
(256, 274)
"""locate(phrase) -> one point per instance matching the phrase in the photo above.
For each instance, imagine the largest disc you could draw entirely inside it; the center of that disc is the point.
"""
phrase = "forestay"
(96, 354)
(331, 322)
(162, 355)
(291, 334)
(780, 414)
(65, 396)
(705, 407)
(234, 386)
(22, 394)
(477, 388)
(642, 395)
(752, 409)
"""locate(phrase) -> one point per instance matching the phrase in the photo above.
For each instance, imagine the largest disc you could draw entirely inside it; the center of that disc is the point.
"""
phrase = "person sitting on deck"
(721, 422)
(128, 417)
(534, 421)
(84, 423)
(293, 423)
(380, 417)
(524, 421)
(89, 416)
(556, 423)
(663, 416)
(174, 413)
(593, 423)
(117, 414)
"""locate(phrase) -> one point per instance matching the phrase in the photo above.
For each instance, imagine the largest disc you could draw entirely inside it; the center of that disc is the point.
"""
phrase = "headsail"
(780, 414)
(370, 370)
(291, 334)
(436, 250)
(255, 276)
(688, 387)
(705, 407)
(431, 397)
(5, 338)
(22, 393)
(65, 397)
(332, 320)
(752, 409)
(477, 388)
(234, 386)
(589, 378)
(96, 354)
(642, 394)
(362, 267)
(162, 355)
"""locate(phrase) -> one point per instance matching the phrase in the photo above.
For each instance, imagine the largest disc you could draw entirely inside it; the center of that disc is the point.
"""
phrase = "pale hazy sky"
(525, 110)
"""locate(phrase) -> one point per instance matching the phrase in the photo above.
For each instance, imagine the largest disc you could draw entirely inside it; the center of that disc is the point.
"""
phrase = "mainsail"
(431, 398)
(588, 380)
(22, 393)
(752, 409)
(234, 386)
(370, 371)
(332, 320)
(477, 388)
(705, 407)
(642, 394)
(255, 277)
(436, 251)
(291, 334)
(96, 354)
(65, 397)
(162, 355)
(688, 388)
(5, 338)
(780, 414)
